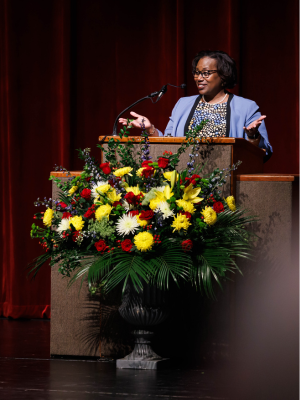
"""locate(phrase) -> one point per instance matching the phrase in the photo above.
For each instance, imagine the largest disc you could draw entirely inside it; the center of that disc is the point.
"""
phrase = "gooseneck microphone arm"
(159, 95)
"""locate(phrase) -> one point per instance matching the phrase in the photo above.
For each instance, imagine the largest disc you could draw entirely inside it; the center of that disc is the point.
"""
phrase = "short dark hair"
(226, 66)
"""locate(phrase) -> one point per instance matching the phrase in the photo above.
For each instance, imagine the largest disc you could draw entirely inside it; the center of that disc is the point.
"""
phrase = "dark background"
(68, 67)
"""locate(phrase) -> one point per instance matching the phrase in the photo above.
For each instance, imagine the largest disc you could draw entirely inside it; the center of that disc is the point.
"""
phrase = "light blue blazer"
(240, 112)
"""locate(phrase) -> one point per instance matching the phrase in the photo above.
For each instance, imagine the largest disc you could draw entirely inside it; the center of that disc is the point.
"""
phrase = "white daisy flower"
(127, 224)
(96, 186)
(64, 225)
(164, 208)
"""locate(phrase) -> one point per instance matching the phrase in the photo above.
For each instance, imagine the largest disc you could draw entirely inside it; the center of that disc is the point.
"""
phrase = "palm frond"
(37, 263)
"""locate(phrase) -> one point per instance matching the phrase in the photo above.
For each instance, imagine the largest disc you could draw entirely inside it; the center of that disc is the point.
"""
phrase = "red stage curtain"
(68, 67)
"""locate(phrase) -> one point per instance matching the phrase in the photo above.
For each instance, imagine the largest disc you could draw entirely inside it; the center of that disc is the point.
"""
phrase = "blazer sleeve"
(170, 126)
(253, 113)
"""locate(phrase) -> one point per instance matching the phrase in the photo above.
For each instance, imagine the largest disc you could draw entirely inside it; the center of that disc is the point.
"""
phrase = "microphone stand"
(154, 94)
(132, 105)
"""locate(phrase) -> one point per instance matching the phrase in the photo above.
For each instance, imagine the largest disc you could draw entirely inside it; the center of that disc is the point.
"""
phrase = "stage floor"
(28, 372)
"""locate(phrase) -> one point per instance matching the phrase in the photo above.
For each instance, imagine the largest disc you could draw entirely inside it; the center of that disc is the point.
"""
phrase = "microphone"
(159, 96)
(164, 89)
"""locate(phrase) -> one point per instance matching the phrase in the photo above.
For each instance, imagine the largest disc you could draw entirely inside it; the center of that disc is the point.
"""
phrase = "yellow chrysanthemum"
(210, 216)
(103, 188)
(141, 222)
(103, 211)
(77, 222)
(47, 219)
(191, 194)
(73, 189)
(143, 241)
(186, 205)
(180, 222)
(113, 196)
(230, 200)
(134, 189)
(123, 171)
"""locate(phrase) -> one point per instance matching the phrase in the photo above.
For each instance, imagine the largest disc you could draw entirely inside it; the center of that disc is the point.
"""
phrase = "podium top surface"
(169, 139)
(239, 144)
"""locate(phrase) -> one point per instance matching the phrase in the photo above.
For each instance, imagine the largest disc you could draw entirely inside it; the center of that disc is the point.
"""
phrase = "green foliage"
(104, 228)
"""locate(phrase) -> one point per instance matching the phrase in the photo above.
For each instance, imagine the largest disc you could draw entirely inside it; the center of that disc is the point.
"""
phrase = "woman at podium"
(228, 115)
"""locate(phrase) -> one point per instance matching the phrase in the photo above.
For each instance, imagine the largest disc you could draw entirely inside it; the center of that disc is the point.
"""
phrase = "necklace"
(214, 103)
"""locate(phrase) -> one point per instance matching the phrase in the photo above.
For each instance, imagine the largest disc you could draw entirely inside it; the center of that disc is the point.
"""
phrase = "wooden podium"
(213, 326)
(219, 152)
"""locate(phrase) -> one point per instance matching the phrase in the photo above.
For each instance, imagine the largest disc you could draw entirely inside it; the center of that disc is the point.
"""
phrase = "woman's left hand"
(252, 129)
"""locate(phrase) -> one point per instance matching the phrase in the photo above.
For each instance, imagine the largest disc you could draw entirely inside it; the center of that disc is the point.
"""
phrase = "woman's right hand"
(138, 122)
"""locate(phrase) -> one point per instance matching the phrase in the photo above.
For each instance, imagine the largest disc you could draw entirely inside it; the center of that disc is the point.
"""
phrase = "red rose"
(126, 245)
(218, 207)
(62, 204)
(111, 182)
(66, 215)
(192, 179)
(75, 236)
(187, 245)
(88, 179)
(186, 213)
(131, 198)
(163, 162)
(146, 215)
(147, 172)
(86, 194)
(89, 213)
(146, 163)
(101, 246)
(133, 213)
(114, 204)
(105, 168)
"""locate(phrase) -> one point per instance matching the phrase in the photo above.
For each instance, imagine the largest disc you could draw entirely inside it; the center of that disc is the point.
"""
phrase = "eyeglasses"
(204, 74)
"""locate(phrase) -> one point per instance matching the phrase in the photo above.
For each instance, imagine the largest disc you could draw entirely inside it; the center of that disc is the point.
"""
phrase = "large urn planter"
(144, 309)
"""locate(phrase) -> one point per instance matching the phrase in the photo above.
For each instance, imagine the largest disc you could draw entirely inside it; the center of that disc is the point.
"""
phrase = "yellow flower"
(191, 194)
(103, 211)
(141, 222)
(231, 203)
(77, 222)
(143, 241)
(113, 196)
(47, 219)
(155, 202)
(168, 192)
(210, 216)
(123, 171)
(180, 222)
(161, 197)
(139, 171)
(103, 188)
(168, 175)
(186, 205)
(73, 189)
(134, 189)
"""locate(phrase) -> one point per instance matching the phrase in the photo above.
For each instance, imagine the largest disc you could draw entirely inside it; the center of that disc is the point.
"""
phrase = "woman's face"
(211, 85)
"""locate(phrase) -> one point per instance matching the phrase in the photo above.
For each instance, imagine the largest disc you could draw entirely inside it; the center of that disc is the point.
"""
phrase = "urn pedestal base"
(142, 357)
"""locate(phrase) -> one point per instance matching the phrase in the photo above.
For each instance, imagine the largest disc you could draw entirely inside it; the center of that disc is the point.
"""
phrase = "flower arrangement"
(140, 219)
